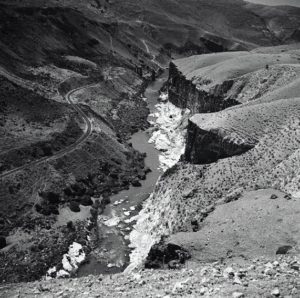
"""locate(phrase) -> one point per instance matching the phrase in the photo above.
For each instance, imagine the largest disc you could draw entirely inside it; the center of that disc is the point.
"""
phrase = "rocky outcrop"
(162, 254)
(183, 93)
(204, 146)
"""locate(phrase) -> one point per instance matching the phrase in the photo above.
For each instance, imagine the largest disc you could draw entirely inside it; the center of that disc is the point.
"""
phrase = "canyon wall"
(207, 146)
(202, 146)
(208, 84)
(184, 94)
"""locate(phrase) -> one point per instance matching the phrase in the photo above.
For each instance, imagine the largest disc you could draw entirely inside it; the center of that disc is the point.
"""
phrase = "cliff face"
(184, 94)
(209, 84)
(203, 146)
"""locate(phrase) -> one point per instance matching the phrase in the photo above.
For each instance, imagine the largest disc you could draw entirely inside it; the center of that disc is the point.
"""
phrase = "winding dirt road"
(82, 139)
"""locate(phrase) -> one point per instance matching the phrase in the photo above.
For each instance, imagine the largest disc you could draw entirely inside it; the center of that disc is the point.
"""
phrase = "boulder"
(282, 250)
(136, 183)
(166, 253)
(273, 197)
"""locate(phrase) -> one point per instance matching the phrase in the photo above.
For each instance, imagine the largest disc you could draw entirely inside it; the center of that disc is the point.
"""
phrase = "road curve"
(72, 147)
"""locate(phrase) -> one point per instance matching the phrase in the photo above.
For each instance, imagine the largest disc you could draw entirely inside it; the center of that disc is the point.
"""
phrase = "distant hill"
(93, 29)
(277, 2)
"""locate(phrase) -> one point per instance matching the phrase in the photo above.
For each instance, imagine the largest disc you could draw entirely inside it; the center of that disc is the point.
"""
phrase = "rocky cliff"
(185, 94)
(214, 82)
(204, 146)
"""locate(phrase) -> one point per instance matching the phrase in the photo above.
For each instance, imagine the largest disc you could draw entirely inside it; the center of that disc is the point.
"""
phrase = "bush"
(47, 150)
(2, 242)
(38, 208)
(74, 206)
(86, 201)
(70, 225)
(52, 197)
(68, 192)
(53, 209)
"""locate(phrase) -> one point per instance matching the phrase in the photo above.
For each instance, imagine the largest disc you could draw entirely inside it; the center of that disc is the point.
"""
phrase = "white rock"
(237, 281)
(136, 276)
(275, 292)
(203, 290)
(228, 272)
(269, 265)
(238, 295)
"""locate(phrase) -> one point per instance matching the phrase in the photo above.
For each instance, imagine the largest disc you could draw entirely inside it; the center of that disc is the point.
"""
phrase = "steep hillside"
(236, 24)
(95, 29)
(258, 223)
(253, 145)
(63, 148)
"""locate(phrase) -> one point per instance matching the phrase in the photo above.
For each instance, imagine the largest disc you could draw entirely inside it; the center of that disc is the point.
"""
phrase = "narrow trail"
(146, 46)
(153, 56)
(87, 132)
(111, 43)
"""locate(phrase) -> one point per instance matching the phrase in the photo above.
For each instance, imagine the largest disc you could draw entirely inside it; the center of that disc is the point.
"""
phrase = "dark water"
(112, 254)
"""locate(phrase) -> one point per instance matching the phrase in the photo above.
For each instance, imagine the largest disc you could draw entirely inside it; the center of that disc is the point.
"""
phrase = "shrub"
(86, 201)
(74, 206)
(2, 242)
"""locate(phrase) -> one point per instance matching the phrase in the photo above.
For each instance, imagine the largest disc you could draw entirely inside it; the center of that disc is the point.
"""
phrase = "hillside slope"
(253, 145)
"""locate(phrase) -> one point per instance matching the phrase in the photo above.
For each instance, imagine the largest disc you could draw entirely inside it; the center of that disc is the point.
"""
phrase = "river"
(112, 253)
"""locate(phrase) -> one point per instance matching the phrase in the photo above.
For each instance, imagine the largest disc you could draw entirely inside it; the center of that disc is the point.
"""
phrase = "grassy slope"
(250, 227)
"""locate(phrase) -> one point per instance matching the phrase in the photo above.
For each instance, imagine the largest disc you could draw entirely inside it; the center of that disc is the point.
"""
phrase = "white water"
(170, 132)
(169, 136)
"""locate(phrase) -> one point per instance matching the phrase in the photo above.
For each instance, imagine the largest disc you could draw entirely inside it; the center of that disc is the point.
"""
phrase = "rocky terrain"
(263, 277)
(72, 78)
